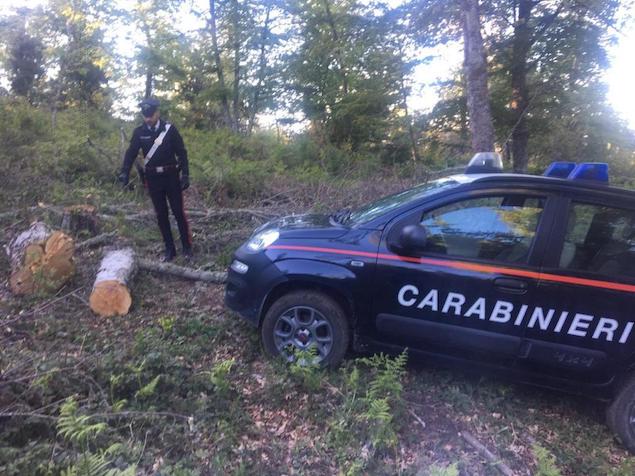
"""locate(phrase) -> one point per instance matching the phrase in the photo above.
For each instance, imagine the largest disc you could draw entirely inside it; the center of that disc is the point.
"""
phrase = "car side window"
(498, 228)
(599, 239)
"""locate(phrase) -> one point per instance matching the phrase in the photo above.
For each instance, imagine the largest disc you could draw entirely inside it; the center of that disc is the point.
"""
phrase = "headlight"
(262, 239)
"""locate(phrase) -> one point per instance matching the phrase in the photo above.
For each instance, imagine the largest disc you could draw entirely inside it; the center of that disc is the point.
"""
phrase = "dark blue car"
(532, 277)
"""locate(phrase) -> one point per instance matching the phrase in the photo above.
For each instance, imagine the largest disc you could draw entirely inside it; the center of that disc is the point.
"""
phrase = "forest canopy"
(322, 84)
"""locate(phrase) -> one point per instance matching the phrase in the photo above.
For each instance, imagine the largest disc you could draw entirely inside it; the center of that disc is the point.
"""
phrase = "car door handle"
(510, 285)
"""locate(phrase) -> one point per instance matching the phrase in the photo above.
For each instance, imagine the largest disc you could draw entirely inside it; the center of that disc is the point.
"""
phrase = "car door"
(586, 295)
(463, 292)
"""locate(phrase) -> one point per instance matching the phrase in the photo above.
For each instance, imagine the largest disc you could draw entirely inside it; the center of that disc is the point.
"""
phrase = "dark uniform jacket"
(172, 148)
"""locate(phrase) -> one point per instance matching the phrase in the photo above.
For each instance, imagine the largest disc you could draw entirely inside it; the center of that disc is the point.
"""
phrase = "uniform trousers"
(163, 188)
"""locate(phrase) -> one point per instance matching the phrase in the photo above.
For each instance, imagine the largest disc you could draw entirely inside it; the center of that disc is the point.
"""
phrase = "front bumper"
(245, 293)
(241, 297)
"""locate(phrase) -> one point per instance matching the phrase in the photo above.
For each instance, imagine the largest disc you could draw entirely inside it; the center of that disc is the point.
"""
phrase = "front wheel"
(620, 415)
(306, 321)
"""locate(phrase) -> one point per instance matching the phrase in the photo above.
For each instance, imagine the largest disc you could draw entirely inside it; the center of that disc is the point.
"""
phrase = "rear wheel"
(620, 415)
(306, 321)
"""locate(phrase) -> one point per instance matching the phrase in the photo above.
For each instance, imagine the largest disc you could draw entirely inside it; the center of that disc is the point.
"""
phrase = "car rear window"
(600, 239)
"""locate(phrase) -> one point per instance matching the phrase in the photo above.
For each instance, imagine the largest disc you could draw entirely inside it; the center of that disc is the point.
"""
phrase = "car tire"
(287, 316)
(620, 413)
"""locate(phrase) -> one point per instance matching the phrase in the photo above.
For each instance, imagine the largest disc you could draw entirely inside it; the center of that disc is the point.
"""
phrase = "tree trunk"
(236, 85)
(149, 78)
(520, 92)
(411, 132)
(111, 292)
(219, 64)
(475, 66)
(337, 50)
(261, 73)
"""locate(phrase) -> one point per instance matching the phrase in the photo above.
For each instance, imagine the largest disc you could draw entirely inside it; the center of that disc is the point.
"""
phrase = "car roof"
(541, 180)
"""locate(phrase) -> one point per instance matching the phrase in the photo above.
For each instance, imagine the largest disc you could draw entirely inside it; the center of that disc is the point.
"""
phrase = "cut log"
(37, 234)
(60, 245)
(217, 277)
(111, 293)
(33, 255)
(40, 261)
(22, 282)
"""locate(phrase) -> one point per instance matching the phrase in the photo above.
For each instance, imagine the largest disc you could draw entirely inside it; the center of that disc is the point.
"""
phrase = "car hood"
(305, 226)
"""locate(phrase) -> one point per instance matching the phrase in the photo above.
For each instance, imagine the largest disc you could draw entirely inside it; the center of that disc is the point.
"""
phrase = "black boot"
(188, 253)
(169, 255)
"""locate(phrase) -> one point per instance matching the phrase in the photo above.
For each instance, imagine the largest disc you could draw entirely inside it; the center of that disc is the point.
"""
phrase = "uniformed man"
(166, 173)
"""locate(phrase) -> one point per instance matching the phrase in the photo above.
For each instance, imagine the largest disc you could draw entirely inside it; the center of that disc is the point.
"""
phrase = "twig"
(50, 303)
(26, 415)
(421, 422)
(487, 454)
(96, 240)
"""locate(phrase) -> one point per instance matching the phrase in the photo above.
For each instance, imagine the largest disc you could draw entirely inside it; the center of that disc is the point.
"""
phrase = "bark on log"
(37, 234)
(111, 294)
(40, 261)
(217, 277)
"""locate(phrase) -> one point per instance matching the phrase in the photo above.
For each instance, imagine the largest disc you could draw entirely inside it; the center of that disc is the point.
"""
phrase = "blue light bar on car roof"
(559, 169)
(597, 171)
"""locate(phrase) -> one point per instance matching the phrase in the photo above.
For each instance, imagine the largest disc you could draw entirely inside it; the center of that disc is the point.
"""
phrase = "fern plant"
(306, 369)
(384, 397)
(219, 376)
(89, 464)
(546, 462)
(77, 428)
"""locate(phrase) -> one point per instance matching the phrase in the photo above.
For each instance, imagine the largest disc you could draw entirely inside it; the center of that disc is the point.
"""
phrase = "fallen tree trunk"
(111, 293)
(217, 277)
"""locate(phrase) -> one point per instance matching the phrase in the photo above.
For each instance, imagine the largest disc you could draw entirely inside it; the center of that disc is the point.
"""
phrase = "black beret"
(148, 106)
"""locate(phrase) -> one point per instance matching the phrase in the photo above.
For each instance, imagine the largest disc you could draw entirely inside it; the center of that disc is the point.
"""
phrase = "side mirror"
(414, 238)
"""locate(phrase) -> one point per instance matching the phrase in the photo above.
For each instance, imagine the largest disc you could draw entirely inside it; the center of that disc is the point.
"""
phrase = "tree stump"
(111, 293)
(80, 219)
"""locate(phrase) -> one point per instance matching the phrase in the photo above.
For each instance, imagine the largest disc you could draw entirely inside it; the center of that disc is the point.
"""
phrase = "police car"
(529, 276)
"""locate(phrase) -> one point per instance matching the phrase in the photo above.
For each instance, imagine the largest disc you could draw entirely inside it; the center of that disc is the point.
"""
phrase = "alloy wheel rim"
(303, 329)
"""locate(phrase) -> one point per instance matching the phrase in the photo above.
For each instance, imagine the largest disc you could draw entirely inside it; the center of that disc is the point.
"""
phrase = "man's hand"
(185, 182)
(124, 178)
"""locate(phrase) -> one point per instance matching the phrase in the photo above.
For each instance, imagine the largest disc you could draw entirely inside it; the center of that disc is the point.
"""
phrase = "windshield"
(377, 208)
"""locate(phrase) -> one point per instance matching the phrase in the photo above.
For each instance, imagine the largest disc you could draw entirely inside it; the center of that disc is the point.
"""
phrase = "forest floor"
(179, 386)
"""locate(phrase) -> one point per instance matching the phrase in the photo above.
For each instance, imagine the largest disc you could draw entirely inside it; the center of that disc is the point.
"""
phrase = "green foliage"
(305, 369)
(219, 376)
(383, 397)
(77, 428)
(149, 389)
(545, 462)
(625, 468)
(451, 470)
(371, 418)
(89, 464)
